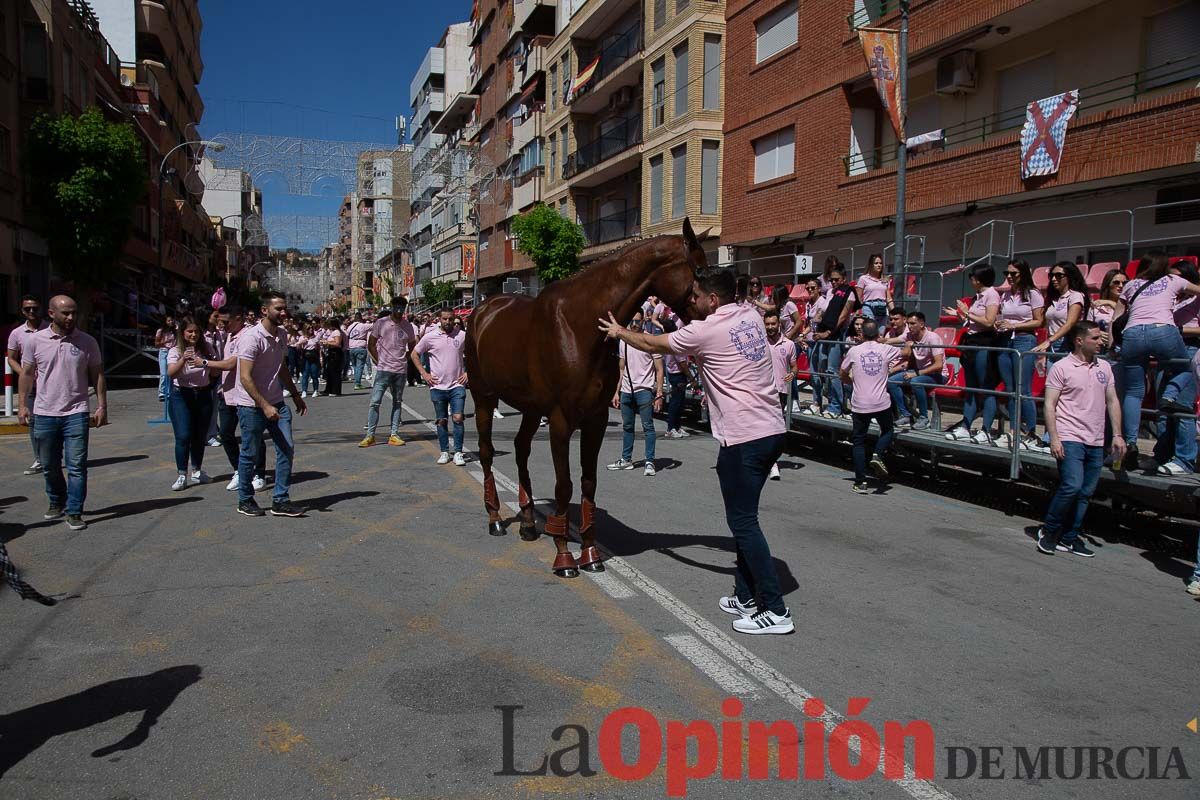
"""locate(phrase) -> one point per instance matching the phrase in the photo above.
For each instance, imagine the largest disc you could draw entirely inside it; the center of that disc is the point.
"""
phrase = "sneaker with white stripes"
(731, 605)
(765, 621)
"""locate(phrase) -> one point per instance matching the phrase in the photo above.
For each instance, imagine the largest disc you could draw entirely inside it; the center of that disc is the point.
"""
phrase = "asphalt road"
(361, 652)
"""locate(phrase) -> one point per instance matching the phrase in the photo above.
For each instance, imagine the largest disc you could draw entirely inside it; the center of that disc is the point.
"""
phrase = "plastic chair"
(803, 367)
(954, 386)
(1131, 269)
(1193, 259)
(1095, 276)
(1041, 278)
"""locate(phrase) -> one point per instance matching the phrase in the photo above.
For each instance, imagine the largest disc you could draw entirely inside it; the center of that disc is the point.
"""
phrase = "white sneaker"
(765, 621)
(982, 437)
(958, 434)
(1193, 588)
(259, 483)
(214, 442)
(680, 433)
(303, 395)
(496, 414)
(649, 471)
(731, 605)
(774, 473)
(232, 486)
(180, 483)
(1002, 440)
(34, 469)
(287, 393)
(200, 477)
(620, 464)
(460, 460)
(444, 458)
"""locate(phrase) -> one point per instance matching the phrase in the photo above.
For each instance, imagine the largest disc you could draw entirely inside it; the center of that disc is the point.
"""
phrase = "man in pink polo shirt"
(63, 361)
(1079, 388)
(638, 394)
(31, 309)
(866, 368)
(391, 338)
(783, 363)
(357, 333)
(447, 381)
(729, 344)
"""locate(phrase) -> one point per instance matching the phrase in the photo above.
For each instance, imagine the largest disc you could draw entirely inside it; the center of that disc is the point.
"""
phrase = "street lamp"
(221, 222)
(162, 176)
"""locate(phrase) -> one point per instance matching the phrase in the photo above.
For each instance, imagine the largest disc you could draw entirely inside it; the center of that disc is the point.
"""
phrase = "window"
(659, 99)
(35, 61)
(681, 6)
(656, 188)
(679, 181)
(776, 31)
(924, 115)
(710, 162)
(553, 88)
(554, 156)
(774, 155)
(712, 71)
(531, 157)
(1020, 85)
(566, 76)
(566, 140)
(485, 136)
(1170, 36)
(1181, 213)
(681, 78)
(660, 13)
(562, 208)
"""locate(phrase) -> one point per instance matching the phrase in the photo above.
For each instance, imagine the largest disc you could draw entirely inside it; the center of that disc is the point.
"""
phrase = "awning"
(580, 83)
(527, 94)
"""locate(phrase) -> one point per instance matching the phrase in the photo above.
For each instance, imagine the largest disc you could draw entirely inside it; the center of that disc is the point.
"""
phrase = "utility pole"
(901, 256)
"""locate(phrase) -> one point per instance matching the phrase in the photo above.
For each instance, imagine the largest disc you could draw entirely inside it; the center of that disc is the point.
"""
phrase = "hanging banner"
(468, 261)
(408, 276)
(580, 84)
(881, 48)
(1044, 133)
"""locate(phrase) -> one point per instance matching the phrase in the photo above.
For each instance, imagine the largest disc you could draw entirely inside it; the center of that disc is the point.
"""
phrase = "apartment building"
(810, 161)
(381, 206)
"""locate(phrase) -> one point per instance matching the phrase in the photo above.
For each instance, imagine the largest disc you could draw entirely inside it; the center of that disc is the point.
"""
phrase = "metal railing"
(870, 12)
(1113, 90)
(622, 136)
(614, 227)
(627, 45)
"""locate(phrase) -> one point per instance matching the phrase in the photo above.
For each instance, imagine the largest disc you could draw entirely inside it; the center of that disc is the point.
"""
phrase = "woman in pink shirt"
(1067, 302)
(789, 314)
(814, 310)
(1175, 445)
(191, 399)
(979, 366)
(1150, 332)
(1108, 306)
(310, 357)
(874, 290)
(1022, 310)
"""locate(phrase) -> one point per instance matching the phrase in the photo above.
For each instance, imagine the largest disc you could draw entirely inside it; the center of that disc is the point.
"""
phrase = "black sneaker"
(53, 512)
(861, 488)
(877, 466)
(284, 508)
(1046, 543)
(1080, 549)
(250, 508)
(75, 522)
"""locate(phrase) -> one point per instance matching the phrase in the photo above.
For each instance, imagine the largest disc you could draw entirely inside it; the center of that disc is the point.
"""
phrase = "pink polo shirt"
(873, 288)
(730, 346)
(639, 367)
(988, 298)
(1156, 304)
(62, 364)
(195, 377)
(445, 356)
(785, 317)
(925, 348)
(783, 353)
(16, 339)
(1187, 313)
(393, 341)
(1014, 308)
(1057, 312)
(358, 334)
(265, 352)
(229, 386)
(816, 309)
(867, 364)
(676, 365)
(1081, 405)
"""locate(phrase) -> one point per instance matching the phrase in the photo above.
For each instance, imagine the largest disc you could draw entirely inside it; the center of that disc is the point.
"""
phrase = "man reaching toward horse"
(730, 345)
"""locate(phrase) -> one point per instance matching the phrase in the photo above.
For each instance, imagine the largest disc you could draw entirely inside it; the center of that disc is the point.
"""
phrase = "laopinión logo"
(851, 749)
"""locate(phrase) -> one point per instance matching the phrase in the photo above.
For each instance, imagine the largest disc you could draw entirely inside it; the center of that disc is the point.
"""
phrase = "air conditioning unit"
(620, 98)
(956, 73)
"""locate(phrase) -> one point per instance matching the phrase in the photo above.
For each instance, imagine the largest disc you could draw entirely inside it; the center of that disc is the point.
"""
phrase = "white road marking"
(705, 659)
(613, 586)
(478, 476)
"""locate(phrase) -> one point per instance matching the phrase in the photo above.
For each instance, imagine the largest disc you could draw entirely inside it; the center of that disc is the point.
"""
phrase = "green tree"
(86, 176)
(438, 293)
(551, 240)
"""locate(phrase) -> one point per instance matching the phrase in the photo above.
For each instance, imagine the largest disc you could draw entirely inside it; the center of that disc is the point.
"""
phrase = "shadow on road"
(108, 462)
(330, 500)
(23, 732)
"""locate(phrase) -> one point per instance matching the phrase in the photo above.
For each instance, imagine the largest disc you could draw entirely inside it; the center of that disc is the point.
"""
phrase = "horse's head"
(673, 281)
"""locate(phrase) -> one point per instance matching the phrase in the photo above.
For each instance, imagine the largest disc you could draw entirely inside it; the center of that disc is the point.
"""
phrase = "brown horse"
(545, 357)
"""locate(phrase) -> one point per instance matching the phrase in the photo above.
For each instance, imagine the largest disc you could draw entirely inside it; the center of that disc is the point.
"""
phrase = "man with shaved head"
(63, 362)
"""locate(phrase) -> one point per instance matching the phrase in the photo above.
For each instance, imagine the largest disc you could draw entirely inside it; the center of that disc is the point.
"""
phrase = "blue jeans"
(678, 382)
(56, 438)
(1177, 435)
(310, 371)
(164, 383)
(358, 361)
(861, 424)
(1196, 569)
(895, 387)
(1007, 363)
(1078, 474)
(385, 380)
(829, 359)
(975, 365)
(253, 422)
(1139, 344)
(453, 399)
(191, 411)
(877, 310)
(640, 402)
(742, 471)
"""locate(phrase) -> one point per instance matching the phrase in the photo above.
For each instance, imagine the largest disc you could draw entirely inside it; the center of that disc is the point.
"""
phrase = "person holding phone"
(190, 399)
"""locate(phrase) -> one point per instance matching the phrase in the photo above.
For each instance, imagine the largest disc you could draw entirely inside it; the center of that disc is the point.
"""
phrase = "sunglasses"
(31, 308)
(1013, 274)
(1055, 275)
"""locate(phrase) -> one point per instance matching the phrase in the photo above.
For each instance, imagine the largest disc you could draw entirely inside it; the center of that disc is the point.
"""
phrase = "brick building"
(810, 157)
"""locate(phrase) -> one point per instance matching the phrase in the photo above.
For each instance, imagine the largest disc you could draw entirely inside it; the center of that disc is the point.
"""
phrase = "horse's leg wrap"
(589, 556)
(491, 501)
(556, 525)
(524, 499)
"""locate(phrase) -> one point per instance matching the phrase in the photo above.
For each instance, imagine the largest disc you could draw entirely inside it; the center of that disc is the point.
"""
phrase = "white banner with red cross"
(1044, 133)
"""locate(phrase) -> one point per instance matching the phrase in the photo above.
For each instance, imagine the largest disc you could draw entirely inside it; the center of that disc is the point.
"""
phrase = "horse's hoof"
(529, 533)
(565, 567)
(496, 529)
(589, 560)
(567, 572)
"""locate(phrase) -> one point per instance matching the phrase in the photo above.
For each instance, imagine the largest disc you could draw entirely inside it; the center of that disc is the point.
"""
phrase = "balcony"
(450, 233)
(614, 228)
(429, 184)
(434, 103)
(620, 66)
(523, 134)
(524, 195)
(423, 220)
(434, 63)
(593, 15)
(424, 256)
(523, 10)
(621, 138)
(155, 18)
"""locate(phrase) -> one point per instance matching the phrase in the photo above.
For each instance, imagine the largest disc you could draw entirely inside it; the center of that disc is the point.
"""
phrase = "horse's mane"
(612, 255)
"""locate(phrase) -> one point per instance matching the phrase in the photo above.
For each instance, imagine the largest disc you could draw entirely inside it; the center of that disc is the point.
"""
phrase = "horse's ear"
(703, 237)
(689, 235)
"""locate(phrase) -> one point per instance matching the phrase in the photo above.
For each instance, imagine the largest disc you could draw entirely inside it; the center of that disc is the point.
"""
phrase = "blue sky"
(314, 68)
